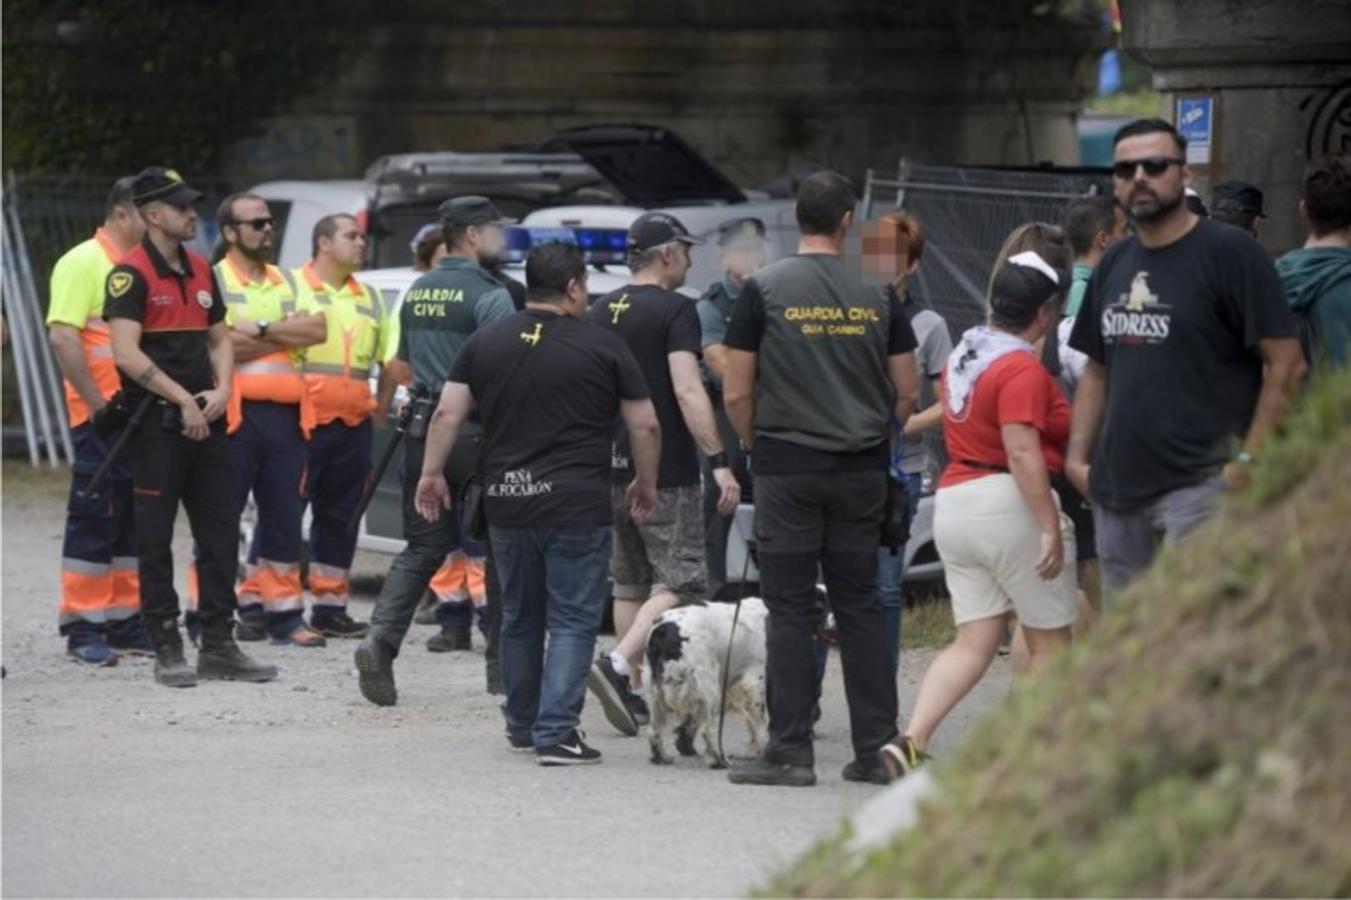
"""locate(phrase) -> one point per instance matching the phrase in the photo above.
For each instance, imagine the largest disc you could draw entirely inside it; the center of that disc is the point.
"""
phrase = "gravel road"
(114, 786)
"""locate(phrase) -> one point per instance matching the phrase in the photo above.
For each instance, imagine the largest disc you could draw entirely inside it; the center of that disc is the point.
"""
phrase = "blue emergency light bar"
(599, 246)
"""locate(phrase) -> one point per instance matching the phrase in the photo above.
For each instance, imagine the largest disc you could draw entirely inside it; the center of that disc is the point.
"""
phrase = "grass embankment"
(1197, 743)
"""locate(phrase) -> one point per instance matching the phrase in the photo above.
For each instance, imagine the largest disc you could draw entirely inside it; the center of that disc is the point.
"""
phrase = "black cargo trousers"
(832, 520)
(426, 546)
(167, 469)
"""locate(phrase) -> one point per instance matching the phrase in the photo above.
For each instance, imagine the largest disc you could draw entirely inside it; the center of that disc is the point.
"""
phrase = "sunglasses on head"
(1153, 166)
(255, 224)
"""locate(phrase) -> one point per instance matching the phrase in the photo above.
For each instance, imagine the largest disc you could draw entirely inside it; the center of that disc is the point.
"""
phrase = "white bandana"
(978, 349)
(1030, 260)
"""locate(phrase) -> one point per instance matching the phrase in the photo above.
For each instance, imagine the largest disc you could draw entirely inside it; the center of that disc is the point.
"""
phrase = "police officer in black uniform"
(817, 364)
(440, 312)
(741, 251)
(173, 351)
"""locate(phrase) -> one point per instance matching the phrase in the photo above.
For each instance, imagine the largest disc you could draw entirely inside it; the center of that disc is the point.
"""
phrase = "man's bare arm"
(925, 420)
(300, 330)
(455, 405)
(1089, 398)
(695, 407)
(640, 419)
(904, 376)
(1283, 367)
(222, 354)
(131, 359)
(68, 349)
(392, 374)
(738, 397)
(715, 355)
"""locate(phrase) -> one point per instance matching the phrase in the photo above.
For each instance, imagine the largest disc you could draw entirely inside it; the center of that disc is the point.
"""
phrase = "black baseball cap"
(1240, 194)
(156, 183)
(654, 229)
(472, 210)
(746, 230)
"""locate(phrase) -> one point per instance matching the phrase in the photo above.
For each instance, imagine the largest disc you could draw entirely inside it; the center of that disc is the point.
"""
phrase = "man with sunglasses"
(1192, 358)
(171, 345)
(269, 418)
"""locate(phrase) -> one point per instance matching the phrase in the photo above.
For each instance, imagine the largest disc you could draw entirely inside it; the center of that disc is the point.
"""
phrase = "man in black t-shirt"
(166, 321)
(659, 563)
(817, 365)
(548, 389)
(1192, 357)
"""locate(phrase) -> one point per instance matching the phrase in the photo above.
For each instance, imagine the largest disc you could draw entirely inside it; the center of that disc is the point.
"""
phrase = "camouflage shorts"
(666, 551)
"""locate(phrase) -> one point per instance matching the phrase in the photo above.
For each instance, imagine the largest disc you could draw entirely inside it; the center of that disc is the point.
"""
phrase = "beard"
(260, 254)
(490, 261)
(1153, 208)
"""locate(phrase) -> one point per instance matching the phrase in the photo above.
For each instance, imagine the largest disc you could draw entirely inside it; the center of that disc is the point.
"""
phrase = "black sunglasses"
(1153, 166)
(255, 224)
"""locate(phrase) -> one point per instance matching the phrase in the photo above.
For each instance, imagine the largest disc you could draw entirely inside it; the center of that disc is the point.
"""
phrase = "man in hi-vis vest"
(100, 590)
(269, 419)
(337, 380)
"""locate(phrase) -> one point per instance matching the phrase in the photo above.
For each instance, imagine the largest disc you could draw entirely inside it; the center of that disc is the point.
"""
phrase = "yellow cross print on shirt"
(532, 337)
(618, 308)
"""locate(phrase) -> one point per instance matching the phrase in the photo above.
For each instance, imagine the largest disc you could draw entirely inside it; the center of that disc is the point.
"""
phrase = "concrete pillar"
(1275, 75)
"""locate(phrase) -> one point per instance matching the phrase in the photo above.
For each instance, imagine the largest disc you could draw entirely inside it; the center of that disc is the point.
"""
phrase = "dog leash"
(731, 640)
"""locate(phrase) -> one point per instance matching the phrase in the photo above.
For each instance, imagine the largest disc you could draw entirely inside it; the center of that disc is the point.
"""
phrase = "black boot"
(221, 658)
(375, 672)
(171, 668)
(451, 638)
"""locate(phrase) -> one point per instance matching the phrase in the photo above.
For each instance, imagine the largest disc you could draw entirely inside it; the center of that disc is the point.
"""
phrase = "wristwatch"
(262, 327)
(718, 460)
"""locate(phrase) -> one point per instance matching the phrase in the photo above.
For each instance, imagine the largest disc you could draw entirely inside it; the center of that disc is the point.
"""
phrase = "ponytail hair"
(1021, 287)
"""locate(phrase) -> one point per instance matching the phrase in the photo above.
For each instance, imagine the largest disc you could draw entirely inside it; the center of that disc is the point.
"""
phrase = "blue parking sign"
(1196, 123)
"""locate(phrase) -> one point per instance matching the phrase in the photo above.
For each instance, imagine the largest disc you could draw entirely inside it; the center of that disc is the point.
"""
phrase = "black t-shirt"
(655, 322)
(548, 389)
(1177, 329)
(174, 327)
(745, 332)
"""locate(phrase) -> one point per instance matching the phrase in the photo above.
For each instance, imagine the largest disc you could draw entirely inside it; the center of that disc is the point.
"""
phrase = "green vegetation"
(927, 623)
(1194, 744)
(200, 74)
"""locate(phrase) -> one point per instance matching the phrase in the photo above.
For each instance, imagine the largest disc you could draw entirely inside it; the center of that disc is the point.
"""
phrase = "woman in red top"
(997, 525)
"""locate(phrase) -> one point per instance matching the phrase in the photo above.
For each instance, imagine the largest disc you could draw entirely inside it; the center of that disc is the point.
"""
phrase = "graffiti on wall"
(1329, 121)
(300, 146)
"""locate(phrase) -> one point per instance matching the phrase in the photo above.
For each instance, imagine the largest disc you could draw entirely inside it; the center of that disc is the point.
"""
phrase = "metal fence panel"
(967, 213)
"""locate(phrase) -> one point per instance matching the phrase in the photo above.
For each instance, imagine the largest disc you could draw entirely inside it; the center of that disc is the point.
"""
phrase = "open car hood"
(538, 179)
(650, 166)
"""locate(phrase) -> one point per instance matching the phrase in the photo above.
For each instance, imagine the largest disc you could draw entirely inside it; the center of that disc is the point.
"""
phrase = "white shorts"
(990, 542)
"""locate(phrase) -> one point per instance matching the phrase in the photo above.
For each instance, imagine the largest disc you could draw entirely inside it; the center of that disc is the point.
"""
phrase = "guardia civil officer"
(169, 338)
(817, 364)
(742, 249)
(440, 312)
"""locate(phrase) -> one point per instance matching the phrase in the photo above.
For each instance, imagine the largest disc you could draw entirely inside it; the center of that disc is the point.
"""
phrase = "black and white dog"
(686, 651)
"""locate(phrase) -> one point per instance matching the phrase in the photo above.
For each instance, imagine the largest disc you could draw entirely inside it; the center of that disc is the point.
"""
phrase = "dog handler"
(817, 364)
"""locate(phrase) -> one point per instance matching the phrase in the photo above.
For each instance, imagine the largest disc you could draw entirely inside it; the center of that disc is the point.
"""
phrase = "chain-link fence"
(60, 211)
(967, 213)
